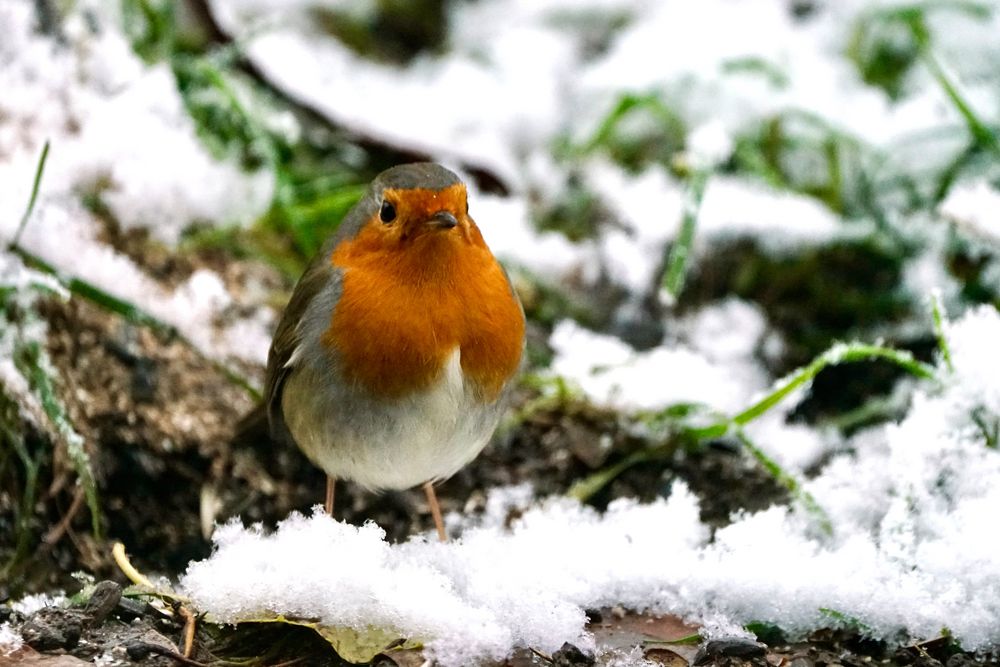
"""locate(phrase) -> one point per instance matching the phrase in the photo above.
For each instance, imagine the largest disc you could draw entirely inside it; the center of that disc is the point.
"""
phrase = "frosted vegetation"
(702, 216)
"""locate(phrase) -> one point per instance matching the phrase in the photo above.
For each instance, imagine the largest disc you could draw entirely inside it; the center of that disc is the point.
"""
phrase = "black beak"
(443, 220)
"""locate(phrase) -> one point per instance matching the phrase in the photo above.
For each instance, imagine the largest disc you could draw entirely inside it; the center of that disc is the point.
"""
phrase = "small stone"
(137, 650)
(733, 648)
(960, 660)
(571, 656)
(129, 609)
(102, 601)
(52, 628)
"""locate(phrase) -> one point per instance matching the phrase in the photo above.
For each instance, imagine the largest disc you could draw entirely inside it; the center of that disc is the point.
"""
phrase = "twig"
(546, 658)
(190, 621)
(55, 534)
(293, 661)
(167, 653)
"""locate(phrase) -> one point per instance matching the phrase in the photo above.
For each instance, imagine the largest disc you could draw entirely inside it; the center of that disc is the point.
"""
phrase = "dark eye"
(387, 213)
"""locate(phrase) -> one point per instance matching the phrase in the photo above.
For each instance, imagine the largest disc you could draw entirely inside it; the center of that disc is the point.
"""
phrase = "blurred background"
(693, 200)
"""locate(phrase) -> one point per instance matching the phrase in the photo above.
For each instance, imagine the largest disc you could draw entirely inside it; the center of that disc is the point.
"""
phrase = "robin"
(393, 360)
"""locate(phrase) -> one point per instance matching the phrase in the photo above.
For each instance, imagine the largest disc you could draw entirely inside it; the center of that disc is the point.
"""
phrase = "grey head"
(426, 175)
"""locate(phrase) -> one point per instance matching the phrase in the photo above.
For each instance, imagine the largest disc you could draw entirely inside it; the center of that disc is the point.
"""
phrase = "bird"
(395, 358)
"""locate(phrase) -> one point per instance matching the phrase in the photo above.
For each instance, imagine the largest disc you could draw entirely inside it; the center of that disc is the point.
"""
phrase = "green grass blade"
(33, 363)
(23, 510)
(936, 314)
(790, 482)
(982, 134)
(840, 353)
(626, 104)
(132, 313)
(680, 251)
(585, 488)
(39, 170)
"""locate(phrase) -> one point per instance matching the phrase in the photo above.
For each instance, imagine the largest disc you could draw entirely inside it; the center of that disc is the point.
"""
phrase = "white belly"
(389, 444)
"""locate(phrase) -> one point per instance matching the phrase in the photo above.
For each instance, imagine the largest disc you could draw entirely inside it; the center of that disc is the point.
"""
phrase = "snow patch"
(119, 132)
(975, 207)
(10, 641)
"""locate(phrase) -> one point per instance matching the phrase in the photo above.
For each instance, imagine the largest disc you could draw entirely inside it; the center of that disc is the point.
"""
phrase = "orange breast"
(402, 312)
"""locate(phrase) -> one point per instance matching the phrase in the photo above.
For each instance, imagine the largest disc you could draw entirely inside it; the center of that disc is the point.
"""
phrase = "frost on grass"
(119, 135)
(22, 285)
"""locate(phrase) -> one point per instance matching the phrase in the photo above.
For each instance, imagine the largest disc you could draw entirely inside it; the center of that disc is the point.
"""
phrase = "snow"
(780, 220)
(27, 285)
(714, 363)
(709, 144)
(612, 374)
(119, 131)
(29, 604)
(650, 206)
(10, 641)
(975, 207)
(506, 226)
(15, 275)
(470, 600)
(532, 82)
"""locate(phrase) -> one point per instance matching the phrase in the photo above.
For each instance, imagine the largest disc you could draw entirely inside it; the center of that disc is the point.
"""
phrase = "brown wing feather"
(288, 336)
(319, 276)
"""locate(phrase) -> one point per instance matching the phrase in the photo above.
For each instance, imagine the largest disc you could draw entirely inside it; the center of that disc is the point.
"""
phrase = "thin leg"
(328, 505)
(435, 511)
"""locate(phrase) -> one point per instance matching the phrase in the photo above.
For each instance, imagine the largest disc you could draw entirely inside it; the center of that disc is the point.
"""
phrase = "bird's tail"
(253, 426)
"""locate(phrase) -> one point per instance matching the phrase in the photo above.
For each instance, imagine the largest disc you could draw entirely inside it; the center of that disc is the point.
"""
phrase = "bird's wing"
(286, 348)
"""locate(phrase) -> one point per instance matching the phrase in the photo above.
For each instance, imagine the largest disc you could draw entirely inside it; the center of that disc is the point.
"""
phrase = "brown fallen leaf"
(665, 656)
(623, 631)
(28, 657)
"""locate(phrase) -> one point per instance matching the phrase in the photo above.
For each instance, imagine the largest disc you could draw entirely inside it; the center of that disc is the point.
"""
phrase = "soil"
(127, 632)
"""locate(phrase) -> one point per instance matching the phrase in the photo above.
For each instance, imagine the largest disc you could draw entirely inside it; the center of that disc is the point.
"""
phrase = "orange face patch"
(404, 309)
